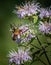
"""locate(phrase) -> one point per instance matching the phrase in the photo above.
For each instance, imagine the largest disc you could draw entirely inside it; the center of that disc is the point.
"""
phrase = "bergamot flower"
(44, 13)
(45, 27)
(28, 9)
(19, 57)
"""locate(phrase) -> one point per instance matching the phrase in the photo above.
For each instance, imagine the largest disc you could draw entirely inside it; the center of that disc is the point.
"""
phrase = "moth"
(18, 31)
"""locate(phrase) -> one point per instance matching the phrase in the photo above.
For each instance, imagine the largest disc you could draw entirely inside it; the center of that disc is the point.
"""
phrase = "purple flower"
(27, 33)
(45, 27)
(28, 38)
(21, 12)
(27, 10)
(43, 13)
(19, 57)
(34, 8)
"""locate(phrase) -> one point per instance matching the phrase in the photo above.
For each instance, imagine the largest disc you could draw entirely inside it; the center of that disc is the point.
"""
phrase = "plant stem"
(41, 60)
(38, 59)
(35, 46)
(43, 50)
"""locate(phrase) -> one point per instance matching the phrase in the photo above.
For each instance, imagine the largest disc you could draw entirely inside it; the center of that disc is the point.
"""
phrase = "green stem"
(43, 50)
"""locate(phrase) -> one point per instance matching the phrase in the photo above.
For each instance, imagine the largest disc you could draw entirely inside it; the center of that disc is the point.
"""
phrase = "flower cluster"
(19, 57)
(45, 27)
(28, 38)
(44, 13)
(27, 33)
(27, 10)
(30, 9)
